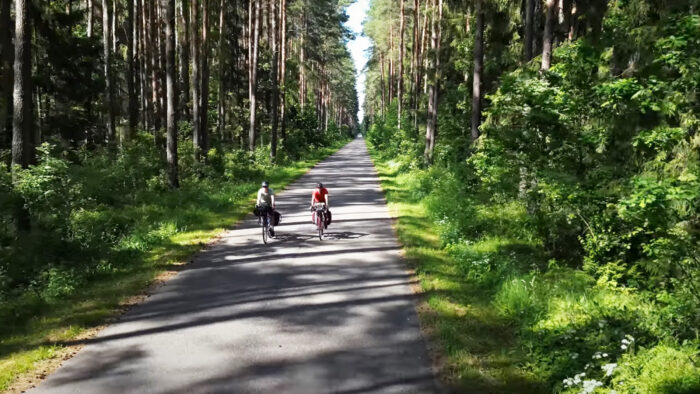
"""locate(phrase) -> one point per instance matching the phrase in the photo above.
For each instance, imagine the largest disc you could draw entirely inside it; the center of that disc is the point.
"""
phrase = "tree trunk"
(253, 69)
(6, 74)
(131, 91)
(391, 63)
(423, 59)
(184, 55)
(155, 78)
(415, 63)
(162, 93)
(90, 17)
(221, 114)
(478, 70)
(548, 35)
(399, 94)
(302, 64)
(146, 66)
(283, 67)
(381, 61)
(113, 24)
(430, 126)
(434, 84)
(566, 18)
(170, 86)
(275, 82)
(22, 122)
(109, 91)
(195, 80)
(529, 29)
(204, 97)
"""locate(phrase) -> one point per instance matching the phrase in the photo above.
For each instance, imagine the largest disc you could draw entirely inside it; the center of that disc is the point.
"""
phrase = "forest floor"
(475, 349)
(30, 350)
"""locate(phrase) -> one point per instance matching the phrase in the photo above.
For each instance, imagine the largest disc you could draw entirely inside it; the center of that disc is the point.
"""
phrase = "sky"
(357, 12)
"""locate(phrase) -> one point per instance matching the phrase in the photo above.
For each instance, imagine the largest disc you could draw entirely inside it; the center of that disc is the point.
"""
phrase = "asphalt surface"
(297, 315)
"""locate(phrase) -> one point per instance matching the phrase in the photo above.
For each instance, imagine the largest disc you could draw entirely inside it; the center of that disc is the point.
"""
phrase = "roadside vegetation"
(555, 230)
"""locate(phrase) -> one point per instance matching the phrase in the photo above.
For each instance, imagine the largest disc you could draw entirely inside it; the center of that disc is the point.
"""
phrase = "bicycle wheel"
(264, 230)
(319, 224)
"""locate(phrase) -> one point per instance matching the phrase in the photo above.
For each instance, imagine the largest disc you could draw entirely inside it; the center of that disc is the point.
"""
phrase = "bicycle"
(265, 219)
(320, 210)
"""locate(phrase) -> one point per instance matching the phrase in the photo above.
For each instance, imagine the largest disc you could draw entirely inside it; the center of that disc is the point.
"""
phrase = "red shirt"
(319, 195)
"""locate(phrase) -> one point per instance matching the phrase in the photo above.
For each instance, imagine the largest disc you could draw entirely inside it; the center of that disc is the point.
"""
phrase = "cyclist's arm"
(257, 201)
(272, 196)
(328, 200)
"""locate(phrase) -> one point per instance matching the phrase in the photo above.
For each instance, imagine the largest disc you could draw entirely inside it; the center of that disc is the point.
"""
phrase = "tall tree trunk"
(155, 69)
(90, 17)
(109, 88)
(302, 63)
(184, 55)
(170, 86)
(434, 86)
(162, 93)
(381, 61)
(204, 97)
(423, 60)
(415, 64)
(195, 80)
(391, 63)
(221, 113)
(23, 143)
(283, 67)
(146, 66)
(6, 74)
(573, 19)
(130, 87)
(529, 29)
(478, 70)
(566, 18)
(438, 77)
(113, 24)
(252, 83)
(548, 35)
(275, 81)
(399, 94)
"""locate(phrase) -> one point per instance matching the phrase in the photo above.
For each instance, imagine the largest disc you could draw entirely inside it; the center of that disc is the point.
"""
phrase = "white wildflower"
(590, 385)
(574, 356)
(609, 368)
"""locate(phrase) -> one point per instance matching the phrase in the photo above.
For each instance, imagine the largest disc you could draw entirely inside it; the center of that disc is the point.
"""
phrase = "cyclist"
(266, 203)
(320, 195)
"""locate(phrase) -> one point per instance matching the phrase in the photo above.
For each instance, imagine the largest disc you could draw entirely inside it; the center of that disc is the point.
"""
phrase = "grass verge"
(476, 347)
(188, 219)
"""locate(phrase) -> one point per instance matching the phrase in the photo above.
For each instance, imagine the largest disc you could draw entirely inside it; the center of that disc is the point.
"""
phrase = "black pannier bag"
(276, 217)
(328, 217)
(256, 211)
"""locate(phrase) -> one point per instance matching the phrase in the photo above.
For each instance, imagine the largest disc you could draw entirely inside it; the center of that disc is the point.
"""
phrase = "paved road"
(298, 315)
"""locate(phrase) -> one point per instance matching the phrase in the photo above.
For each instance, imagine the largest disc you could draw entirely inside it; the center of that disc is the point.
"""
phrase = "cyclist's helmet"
(319, 185)
(265, 184)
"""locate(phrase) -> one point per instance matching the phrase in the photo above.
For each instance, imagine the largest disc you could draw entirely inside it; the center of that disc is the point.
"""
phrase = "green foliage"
(575, 214)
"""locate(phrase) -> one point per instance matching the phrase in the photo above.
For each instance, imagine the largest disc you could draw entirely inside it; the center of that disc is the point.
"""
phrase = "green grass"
(478, 347)
(186, 221)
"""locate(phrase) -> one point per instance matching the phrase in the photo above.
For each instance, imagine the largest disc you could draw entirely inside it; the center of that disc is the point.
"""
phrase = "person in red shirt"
(319, 196)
